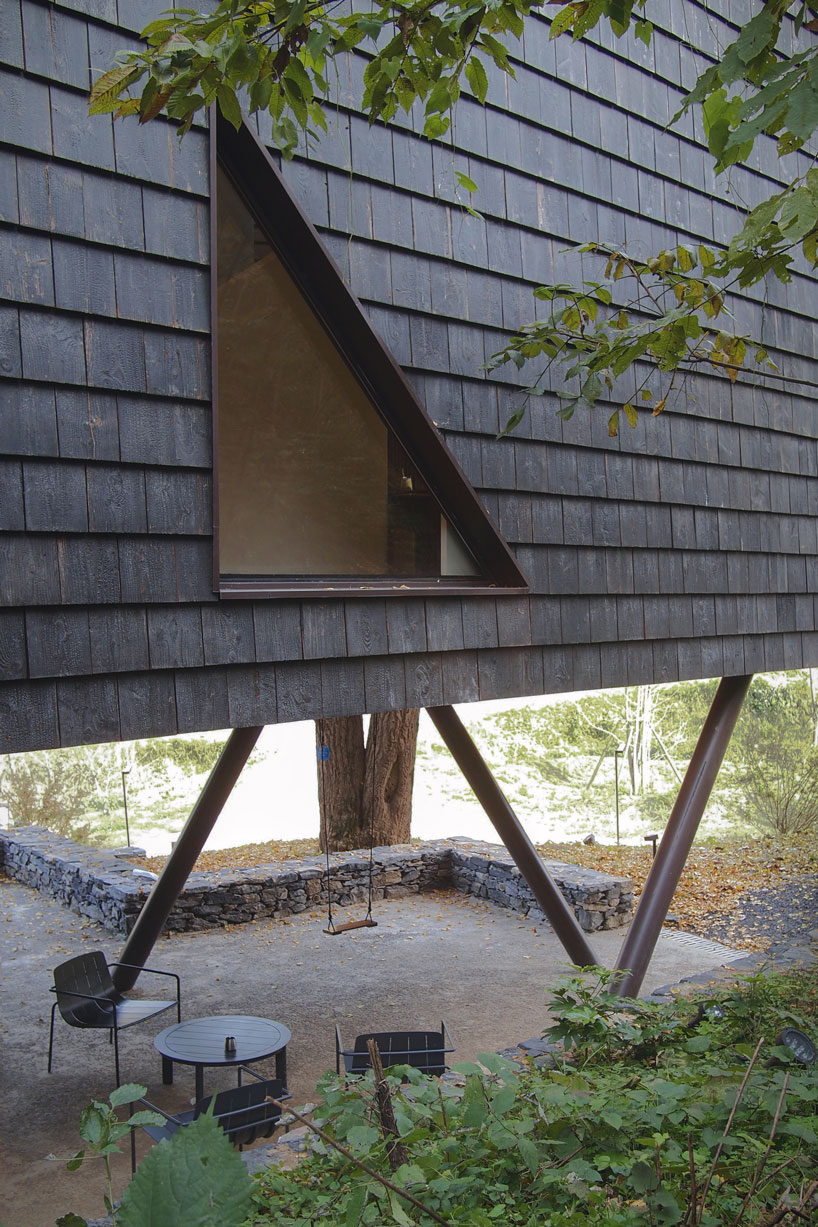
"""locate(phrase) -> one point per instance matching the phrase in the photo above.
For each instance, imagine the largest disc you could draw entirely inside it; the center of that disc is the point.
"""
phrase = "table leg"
(167, 1071)
(199, 1082)
(281, 1066)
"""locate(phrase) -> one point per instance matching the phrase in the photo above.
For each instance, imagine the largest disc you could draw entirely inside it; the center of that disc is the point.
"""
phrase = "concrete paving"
(484, 971)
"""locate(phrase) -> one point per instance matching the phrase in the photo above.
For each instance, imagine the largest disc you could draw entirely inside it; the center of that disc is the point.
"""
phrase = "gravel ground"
(767, 916)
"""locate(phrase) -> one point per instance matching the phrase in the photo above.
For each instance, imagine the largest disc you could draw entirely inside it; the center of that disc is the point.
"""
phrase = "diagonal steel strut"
(507, 825)
(673, 851)
(193, 837)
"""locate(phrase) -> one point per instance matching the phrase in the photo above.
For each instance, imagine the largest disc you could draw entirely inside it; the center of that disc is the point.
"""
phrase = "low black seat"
(424, 1050)
(246, 1113)
(87, 997)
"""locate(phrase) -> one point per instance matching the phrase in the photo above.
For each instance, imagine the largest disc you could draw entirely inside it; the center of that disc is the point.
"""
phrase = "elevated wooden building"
(362, 558)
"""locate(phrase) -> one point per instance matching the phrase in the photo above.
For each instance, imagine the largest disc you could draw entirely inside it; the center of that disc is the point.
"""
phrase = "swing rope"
(367, 923)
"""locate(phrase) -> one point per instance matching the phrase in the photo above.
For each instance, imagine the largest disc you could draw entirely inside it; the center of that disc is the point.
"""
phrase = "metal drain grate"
(710, 950)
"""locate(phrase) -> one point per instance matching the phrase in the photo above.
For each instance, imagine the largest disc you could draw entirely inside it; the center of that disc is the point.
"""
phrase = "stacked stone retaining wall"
(105, 887)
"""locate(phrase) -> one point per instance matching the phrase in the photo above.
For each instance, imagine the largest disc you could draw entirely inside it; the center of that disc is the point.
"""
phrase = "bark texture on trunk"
(339, 744)
(365, 792)
(390, 774)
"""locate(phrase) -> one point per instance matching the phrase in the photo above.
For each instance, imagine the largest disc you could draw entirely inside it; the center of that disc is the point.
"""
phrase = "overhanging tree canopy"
(278, 56)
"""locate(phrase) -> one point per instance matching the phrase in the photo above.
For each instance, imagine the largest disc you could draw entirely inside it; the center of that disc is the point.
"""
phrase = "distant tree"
(776, 759)
(49, 789)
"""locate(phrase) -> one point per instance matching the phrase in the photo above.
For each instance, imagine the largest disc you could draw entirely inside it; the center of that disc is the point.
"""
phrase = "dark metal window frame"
(254, 174)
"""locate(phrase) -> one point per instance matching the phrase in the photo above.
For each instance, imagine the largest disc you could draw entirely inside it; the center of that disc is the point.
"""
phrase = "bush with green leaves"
(193, 1179)
(652, 1117)
(777, 759)
(646, 1113)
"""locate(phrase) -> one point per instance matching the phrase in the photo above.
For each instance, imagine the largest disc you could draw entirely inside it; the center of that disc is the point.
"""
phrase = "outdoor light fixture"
(620, 749)
(126, 771)
(710, 1010)
(798, 1045)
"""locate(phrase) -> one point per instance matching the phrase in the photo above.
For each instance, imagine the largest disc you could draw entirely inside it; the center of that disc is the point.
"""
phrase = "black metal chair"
(245, 1113)
(425, 1050)
(87, 997)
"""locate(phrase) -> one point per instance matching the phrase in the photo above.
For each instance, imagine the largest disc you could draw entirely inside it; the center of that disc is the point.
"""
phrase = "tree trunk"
(639, 714)
(340, 752)
(365, 793)
(390, 774)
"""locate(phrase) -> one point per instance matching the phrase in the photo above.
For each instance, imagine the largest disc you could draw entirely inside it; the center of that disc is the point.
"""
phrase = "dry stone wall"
(111, 890)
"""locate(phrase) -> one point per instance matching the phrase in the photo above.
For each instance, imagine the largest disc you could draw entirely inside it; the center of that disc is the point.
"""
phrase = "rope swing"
(367, 922)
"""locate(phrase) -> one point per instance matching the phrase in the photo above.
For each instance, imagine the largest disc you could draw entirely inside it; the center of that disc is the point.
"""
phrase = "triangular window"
(320, 485)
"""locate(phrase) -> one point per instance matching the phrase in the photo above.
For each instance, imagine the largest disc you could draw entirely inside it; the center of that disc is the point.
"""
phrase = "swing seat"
(424, 1050)
(366, 923)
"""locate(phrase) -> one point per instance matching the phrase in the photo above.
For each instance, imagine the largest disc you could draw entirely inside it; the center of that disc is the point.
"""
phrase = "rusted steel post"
(507, 826)
(677, 840)
(166, 890)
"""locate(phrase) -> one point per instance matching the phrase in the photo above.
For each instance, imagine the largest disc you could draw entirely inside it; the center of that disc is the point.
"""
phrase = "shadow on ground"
(436, 956)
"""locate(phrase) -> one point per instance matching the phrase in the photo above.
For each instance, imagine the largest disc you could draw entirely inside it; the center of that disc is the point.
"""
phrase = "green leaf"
(699, 1043)
(128, 1093)
(362, 1137)
(398, 1213)
(802, 112)
(633, 417)
(441, 98)
(109, 88)
(145, 1117)
(75, 1163)
(530, 1154)
(756, 35)
(196, 1179)
(515, 419)
(563, 21)
(355, 1204)
(665, 1207)
(477, 78)
(229, 105)
(644, 31)
(799, 214)
(465, 182)
(642, 1177)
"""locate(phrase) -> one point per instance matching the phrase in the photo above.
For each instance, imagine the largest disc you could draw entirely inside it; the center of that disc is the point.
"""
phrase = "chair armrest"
(154, 971)
(339, 1049)
(245, 1069)
(153, 1108)
(447, 1038)
(69, 992)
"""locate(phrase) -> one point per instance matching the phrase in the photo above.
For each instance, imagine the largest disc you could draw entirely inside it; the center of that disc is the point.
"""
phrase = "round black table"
(200, 1041)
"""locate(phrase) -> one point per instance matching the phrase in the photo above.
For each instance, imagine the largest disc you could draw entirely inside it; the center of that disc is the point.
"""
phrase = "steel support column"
(166, 890)
(679, 834)
(507, 825)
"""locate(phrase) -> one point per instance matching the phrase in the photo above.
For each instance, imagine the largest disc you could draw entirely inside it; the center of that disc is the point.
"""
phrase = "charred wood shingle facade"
(685, 548)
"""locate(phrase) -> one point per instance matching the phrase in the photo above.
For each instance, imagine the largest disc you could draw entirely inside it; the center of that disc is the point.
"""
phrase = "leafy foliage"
(77, 791)
(779, 759)
(674, 322)
(668, 314)
(194, 1179)
(677, 319)
(276, 56)
(662, 1121)
(102, 1130)
(48, 789)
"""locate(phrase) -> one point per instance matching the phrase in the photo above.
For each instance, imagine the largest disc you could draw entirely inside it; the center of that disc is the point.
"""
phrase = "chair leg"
(116, 1053)
(51, 1036)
